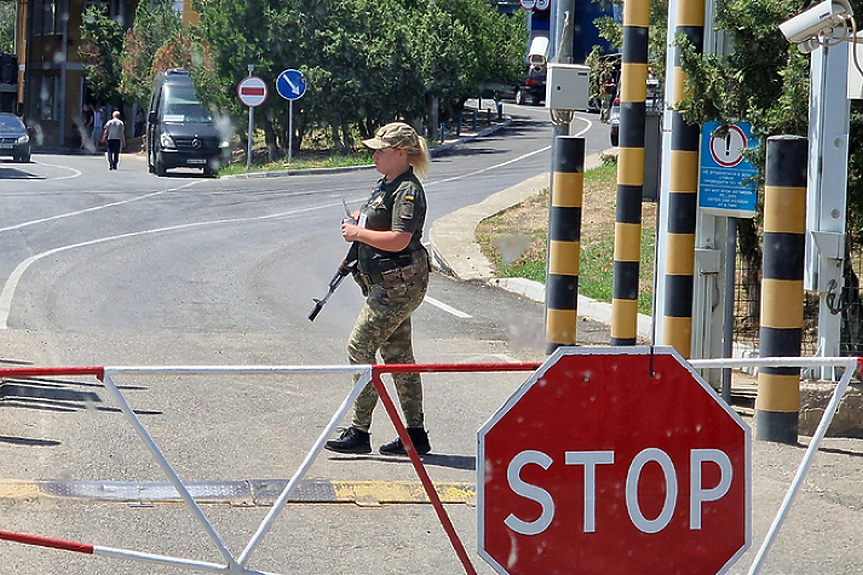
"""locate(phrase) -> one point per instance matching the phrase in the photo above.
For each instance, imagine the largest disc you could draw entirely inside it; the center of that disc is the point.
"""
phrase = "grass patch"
(303, 161)
(515, 240)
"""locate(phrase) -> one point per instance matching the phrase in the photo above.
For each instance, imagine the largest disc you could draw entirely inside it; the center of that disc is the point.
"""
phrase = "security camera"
(820, 19)
(538, 52)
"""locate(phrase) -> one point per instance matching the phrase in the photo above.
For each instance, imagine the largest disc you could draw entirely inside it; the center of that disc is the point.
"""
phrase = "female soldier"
(394, 274)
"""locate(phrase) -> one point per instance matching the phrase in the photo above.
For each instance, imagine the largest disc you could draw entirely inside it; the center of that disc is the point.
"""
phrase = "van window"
(182, 105)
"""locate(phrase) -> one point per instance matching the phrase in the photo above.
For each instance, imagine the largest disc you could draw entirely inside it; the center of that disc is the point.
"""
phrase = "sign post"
(613, 460)
(725, 192)
(252, 92)
(291, 86)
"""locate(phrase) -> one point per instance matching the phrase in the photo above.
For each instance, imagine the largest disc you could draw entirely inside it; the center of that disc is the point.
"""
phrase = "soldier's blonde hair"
(419, 160)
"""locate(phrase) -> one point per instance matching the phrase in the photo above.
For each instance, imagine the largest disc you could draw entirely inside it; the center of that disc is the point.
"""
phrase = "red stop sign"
(613, 460)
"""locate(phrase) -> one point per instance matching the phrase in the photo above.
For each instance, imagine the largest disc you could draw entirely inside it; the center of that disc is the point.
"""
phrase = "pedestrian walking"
(609, 91)
(98, 126)
(115, 139)
(86, 125)
(393, 272)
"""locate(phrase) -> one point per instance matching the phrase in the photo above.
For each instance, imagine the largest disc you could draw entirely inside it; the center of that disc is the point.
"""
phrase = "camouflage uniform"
(396, 284)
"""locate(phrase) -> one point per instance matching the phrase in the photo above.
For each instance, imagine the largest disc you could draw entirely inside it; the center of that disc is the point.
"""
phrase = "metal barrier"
(851, 364)
(367, 373)
(238, 564)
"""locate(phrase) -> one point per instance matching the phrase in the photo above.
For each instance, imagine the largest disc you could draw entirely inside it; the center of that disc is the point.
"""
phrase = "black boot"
(419, 438)
(352, 440)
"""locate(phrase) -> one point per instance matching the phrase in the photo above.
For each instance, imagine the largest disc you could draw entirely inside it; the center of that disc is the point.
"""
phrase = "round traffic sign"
(252, 91)
(613, 460)
(291, 85)
(728, 151)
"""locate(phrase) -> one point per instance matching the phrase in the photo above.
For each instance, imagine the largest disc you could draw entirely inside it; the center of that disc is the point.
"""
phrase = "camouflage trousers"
(384, 325)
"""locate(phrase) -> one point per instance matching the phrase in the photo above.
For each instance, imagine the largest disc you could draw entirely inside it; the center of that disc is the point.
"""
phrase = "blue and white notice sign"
(723, 171)
(291, 85)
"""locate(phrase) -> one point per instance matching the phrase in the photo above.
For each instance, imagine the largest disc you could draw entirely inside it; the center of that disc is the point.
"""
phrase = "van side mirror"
(151, 117)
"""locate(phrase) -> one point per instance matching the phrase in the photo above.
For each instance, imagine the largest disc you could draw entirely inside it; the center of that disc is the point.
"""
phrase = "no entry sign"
(252, 91)
(613, 460)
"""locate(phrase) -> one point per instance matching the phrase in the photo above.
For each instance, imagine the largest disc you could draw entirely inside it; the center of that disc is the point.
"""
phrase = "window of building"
(47, 105)
(45, 17)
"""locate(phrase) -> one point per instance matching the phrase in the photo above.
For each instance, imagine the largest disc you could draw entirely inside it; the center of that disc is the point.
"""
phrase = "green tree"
(366, 62)
(765, 81)
(7, 27)
(153, 28)
(101, 50)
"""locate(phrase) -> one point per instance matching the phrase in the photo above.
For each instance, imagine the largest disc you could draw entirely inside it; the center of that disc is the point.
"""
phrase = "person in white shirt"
(115, 138)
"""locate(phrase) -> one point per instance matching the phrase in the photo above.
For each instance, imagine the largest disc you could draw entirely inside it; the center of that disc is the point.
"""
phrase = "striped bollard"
(564, 242)
(630, 174)
(778, 402)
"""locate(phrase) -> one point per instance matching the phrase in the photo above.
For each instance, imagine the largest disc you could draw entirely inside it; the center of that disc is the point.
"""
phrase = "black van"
(181, 133)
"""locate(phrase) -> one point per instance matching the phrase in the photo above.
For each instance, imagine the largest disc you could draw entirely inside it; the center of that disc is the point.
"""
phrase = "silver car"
(14, 138)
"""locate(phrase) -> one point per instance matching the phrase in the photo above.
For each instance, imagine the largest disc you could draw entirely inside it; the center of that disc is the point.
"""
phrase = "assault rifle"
(348, 266)
(345, 268)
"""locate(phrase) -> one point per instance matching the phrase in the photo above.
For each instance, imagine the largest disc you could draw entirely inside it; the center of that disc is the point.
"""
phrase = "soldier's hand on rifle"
(350, 232)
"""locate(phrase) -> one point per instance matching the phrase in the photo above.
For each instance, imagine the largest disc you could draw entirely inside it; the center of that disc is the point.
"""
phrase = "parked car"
(14, 138)
(532, 88)
(181, 133)
(653, 104)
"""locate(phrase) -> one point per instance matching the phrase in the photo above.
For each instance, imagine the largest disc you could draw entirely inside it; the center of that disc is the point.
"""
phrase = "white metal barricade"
(372, 374)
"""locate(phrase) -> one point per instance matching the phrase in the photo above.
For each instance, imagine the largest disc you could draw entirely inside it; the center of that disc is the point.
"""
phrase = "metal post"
(778, 402)
(251, 127)
(564, 242)
(630, 174)
(682, 197)
(290, 130)
(728, 327)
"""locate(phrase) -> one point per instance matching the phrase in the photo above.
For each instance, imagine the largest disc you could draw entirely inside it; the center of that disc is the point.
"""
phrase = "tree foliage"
(365, 62)
(153, 28)
(7, 27)
(101, 49)
(765, 80)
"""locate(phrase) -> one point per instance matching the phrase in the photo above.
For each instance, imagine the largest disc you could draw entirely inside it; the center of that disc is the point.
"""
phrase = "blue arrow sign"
(290, 85)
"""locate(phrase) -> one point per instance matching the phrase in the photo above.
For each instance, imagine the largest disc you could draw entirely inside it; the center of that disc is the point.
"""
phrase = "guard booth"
(8, 82)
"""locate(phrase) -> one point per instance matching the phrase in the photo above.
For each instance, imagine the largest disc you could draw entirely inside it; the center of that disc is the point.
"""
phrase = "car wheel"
(160, 166)
(519, 97)
(209, 171)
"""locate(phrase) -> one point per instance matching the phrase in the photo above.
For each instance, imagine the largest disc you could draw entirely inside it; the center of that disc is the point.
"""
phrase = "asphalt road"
(123, 268)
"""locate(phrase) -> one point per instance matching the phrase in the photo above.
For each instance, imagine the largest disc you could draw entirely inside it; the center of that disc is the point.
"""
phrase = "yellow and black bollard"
(778, 402)
(630, 173)
(682, 196)
(564, 242)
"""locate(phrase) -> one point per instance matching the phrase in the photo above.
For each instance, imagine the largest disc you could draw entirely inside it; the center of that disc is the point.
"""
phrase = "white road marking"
(75, 173)
(12, 283)
(93, 209)
(447, 308)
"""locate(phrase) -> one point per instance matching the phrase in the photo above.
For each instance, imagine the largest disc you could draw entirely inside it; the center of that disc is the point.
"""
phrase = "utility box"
(567, 87)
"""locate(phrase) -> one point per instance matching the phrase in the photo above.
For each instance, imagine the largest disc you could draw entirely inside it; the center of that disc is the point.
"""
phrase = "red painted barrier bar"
(431, 492)
(98, 372)
(46, 542)
(454, 367)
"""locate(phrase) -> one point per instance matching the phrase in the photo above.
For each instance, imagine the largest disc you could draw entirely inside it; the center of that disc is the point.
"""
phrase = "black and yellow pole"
(682, 195)
(778, 401)
(630, 173)
(564, 242)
